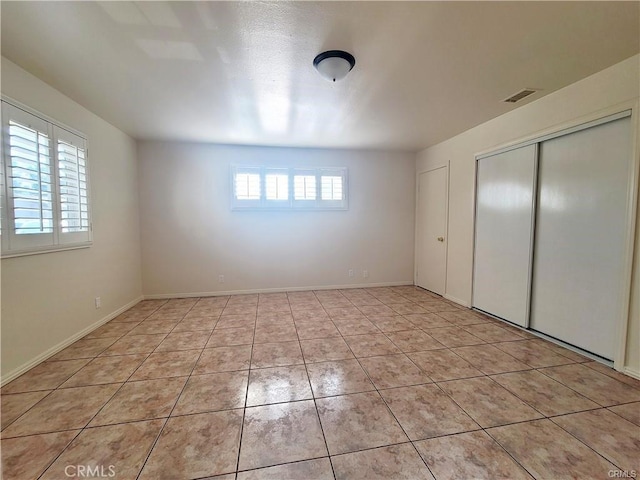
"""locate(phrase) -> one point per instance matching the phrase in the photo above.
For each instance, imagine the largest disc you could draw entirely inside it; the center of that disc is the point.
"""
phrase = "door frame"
(446, 223)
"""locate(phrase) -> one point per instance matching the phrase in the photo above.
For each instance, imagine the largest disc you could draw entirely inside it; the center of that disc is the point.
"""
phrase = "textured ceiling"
(241, 72)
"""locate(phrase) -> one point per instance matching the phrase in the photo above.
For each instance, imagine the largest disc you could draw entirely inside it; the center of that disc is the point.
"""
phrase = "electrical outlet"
(351, 273)
(98, 302)
(365, 273)
(220, 278)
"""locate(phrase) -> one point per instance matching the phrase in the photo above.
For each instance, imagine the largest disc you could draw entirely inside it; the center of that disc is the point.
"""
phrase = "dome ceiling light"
(334, 64)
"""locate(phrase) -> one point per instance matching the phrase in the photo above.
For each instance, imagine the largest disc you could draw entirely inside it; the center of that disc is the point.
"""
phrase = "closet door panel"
(504, 217)
(581, 227)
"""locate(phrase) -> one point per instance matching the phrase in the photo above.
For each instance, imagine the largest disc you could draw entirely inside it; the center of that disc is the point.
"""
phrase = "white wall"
(190, 236)
(48, 299)
(598, 93)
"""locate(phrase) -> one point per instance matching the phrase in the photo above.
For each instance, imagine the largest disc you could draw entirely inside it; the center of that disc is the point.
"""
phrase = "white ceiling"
(241, 72)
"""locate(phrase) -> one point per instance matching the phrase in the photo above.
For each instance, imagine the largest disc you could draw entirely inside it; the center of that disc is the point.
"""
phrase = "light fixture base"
(334, 64)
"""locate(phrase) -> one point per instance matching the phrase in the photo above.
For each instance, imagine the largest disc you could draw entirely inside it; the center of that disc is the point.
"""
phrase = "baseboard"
(632, 372)
(65, 343)
(457, 300)
(161, 296)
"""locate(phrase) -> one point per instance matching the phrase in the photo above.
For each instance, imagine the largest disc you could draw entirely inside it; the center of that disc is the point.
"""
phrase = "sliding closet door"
(581, 228)
(504, 218)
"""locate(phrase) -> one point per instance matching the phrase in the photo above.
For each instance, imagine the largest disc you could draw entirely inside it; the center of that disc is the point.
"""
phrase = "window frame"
(16, 245)
(291, 203)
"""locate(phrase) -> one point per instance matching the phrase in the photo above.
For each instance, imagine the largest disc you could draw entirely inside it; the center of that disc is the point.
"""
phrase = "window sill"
(40, 251)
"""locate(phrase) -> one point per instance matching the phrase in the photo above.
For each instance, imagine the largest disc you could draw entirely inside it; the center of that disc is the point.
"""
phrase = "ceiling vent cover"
(520, 95)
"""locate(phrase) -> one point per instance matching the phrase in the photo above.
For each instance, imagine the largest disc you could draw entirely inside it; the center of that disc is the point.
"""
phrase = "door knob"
(441, 239)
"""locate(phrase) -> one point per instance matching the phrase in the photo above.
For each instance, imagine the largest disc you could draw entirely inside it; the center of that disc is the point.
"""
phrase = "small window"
(289, 188)
(277, 186)
(304, 187)
(331, 187)
(247, 186)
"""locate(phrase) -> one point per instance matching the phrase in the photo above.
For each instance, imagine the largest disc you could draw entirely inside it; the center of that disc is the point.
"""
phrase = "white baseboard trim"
(162, 296)
(457, 300)
(65, 343)
(632, 372)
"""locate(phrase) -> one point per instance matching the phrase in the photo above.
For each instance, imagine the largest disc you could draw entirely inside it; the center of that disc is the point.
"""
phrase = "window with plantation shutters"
(45, 197)
(288, 188)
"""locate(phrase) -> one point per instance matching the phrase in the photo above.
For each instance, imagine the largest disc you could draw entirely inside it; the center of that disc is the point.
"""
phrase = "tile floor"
(378, 383)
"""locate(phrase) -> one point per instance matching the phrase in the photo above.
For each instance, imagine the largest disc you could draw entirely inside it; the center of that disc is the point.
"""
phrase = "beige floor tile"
(610, 372)
(236, 321)
(565, 352)
(276, 354)
(183, 341)
(318, 469)
(547, 451)
(490, 332)
(181, 454)
(112, 329)
(25, 458)
(425, 411)
(224, 359)
(613, 437)
(119, 450)
(239, 309)
(143, 400)
(532, 353)
(355, 326)
(428, 320)
(281, 433)
(15, 405)
(167, 364)
(309, 329)
(358, 421)
(325, 349)
(454, 337)
(275, 333)
(628, 411)
(103, 370)
(489, 359)
(338, 378)
(443, 365)
(132, 344)
(395, 323)
(406, 308)
(379, 310)
(414, 341)
(487, 402)
(212, 392)
(278, 384)
(394, 462)
(595, 386)
(371, 345)
(226, 337)
(66, 409)
(543, 393)
(194, 324)
(153, 327)
(84, 348)
(46, 376)
(393, 371)
(472, 455)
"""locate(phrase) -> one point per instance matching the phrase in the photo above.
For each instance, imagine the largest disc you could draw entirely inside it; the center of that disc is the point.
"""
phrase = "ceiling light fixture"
(334, 64)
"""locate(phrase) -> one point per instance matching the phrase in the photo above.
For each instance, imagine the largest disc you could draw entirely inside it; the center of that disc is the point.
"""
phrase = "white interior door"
(431, 250)
(504, 231)
(581, 229)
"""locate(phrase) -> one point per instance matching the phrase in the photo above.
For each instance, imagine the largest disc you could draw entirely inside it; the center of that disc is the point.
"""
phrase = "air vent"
(520, 95)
